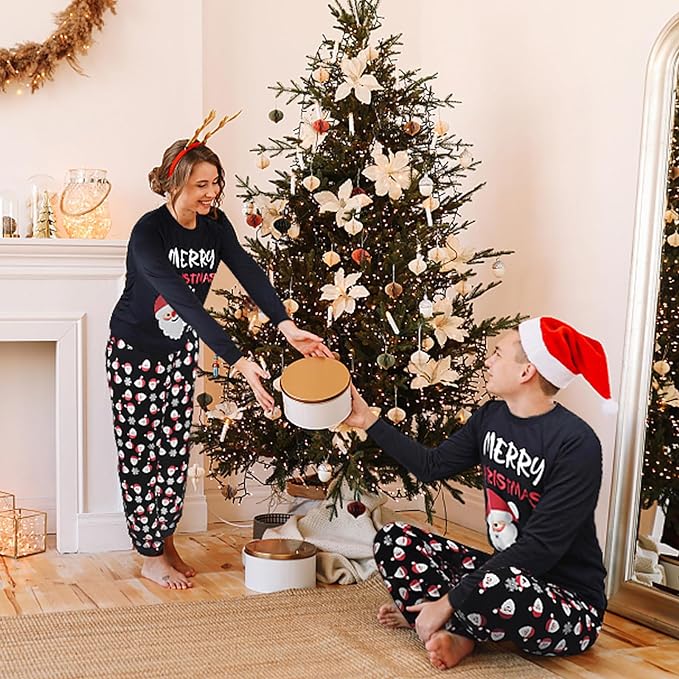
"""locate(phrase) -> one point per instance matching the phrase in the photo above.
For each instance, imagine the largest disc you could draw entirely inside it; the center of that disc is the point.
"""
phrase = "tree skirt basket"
(309, 487)
(263, 522)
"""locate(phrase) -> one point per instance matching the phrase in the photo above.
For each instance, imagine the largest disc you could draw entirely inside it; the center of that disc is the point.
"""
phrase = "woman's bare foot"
(391, 617)
(175, 560)
(158, 570)
(446, 649)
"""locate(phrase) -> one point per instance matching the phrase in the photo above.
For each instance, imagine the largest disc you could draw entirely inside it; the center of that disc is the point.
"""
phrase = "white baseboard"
(105, 532)
(194, 516)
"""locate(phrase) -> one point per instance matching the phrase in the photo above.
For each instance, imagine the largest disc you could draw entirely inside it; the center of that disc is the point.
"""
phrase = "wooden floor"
(53, 582)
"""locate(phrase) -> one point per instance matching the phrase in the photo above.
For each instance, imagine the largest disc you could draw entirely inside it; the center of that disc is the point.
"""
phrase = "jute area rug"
(321, 633)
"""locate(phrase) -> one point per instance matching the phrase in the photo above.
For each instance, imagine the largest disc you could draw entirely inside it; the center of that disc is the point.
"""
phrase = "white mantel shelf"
(55, 258)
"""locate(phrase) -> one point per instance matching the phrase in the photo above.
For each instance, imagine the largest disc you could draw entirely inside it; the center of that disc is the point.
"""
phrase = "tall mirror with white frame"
(643, 540)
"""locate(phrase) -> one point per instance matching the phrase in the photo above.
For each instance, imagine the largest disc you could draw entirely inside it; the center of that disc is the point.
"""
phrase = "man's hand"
(432, 617)
(305, 342)
(360, 415)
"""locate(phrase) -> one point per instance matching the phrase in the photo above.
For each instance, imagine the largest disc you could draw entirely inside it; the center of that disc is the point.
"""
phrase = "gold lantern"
(22, 532)
(6, 501)
(84, 204)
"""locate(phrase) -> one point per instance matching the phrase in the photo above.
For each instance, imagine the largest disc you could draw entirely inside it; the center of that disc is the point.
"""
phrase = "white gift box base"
(325, 415)
(278, 564)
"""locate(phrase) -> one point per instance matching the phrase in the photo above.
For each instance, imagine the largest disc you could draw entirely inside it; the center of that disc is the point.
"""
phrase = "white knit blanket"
(345, 542)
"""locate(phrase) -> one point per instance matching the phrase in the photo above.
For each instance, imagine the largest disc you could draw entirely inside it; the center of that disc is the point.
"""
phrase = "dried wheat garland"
(31, 64)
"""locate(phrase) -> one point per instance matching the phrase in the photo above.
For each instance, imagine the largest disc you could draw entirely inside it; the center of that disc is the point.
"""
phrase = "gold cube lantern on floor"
(6, 501)
(22, 532)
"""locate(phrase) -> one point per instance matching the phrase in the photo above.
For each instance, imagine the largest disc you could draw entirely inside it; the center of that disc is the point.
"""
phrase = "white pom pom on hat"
(559, 353)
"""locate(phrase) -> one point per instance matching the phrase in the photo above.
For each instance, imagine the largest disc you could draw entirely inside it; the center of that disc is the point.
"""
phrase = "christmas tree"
(363, 232)
(660, 482)
(45, 227)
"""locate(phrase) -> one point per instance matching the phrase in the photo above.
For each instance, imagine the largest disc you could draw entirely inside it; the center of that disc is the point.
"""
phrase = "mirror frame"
(650, 606)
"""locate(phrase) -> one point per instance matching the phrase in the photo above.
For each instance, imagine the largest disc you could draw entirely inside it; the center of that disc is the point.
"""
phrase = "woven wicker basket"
(309, 487)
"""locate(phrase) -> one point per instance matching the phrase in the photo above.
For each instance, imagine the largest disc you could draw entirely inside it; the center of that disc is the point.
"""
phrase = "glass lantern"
(6, 501)
(42, 191)
(22, 532)
(9, 214)
(84, 204)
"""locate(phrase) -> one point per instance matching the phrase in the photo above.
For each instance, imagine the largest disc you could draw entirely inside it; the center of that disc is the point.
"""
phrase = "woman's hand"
(432, 616)
(305, 342)
(360, 416)
(254, 373)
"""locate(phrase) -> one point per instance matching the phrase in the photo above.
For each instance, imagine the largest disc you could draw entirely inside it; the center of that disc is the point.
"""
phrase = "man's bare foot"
(391, 617)
(158, 570)
(175, 560)
(446, 649)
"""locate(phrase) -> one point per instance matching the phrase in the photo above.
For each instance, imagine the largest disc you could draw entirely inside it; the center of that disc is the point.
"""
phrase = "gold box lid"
(280, 549)
(315, 380)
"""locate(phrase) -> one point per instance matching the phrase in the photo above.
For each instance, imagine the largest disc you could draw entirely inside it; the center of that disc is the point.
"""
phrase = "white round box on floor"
(316, 393)
(277, 564)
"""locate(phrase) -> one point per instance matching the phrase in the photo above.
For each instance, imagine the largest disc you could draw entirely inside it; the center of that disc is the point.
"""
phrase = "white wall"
(142, 92)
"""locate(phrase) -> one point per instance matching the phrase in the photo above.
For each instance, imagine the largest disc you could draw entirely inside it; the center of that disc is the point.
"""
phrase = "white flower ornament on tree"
(430, 372)
(344, 293)
(363, 85)
(391, 173)
(314, 128)
(343, 204)
(445, 325)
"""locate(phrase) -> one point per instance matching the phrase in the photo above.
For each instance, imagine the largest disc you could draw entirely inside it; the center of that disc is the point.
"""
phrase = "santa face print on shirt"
(169, 322)
(500, 516)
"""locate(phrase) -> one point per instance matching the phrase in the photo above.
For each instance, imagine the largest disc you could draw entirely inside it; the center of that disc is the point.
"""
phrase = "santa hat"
(499, 509)
(159, 304)
(559, 353)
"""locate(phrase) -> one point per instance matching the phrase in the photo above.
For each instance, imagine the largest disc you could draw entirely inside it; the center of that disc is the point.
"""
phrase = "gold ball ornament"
(412, 127)
(393, 289)
(331, 258)
(462, 416)
(311, 183)
(291, 306)
(263, 162)
(661, 367)
(396, 415)
(441, 128)
(321, 75)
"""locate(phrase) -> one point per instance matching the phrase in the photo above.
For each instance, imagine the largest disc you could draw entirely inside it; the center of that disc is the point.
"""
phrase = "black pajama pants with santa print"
(152, 400)
(508, 604)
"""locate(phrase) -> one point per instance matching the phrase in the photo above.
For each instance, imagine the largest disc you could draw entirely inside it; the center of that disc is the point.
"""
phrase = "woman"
(172, 258)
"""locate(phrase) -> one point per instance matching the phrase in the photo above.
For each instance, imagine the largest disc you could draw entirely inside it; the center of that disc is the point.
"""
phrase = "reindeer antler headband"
(195, 143)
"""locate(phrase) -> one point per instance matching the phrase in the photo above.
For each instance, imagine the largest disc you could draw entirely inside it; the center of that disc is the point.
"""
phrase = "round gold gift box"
(316, 393)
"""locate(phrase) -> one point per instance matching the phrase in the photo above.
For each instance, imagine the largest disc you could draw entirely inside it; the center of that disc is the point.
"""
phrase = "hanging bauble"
(412, 127)
(273, 414)
(254, 219)
(291, 307)
(331, 258)
(311, 183)
(427, 343)
(498, 268)
(426, 185)
(356, 508)
(262, 162)
(417, 265)
(360, 256)
(671, 216)
(324, 472)
(321, 75)
(293, 232)
(673, 239)
(393, 289)
(275, 115)
(419, 357)
(661, 367)
(320, 126)
(441, 127)
(462, 415)
(463, 288)
(465, 159)
(396, 415)
(357, 191)
(426, 308)
(281, 224)
(386, 361)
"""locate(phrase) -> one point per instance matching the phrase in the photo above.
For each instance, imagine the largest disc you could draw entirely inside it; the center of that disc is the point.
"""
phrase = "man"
(543, 586)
